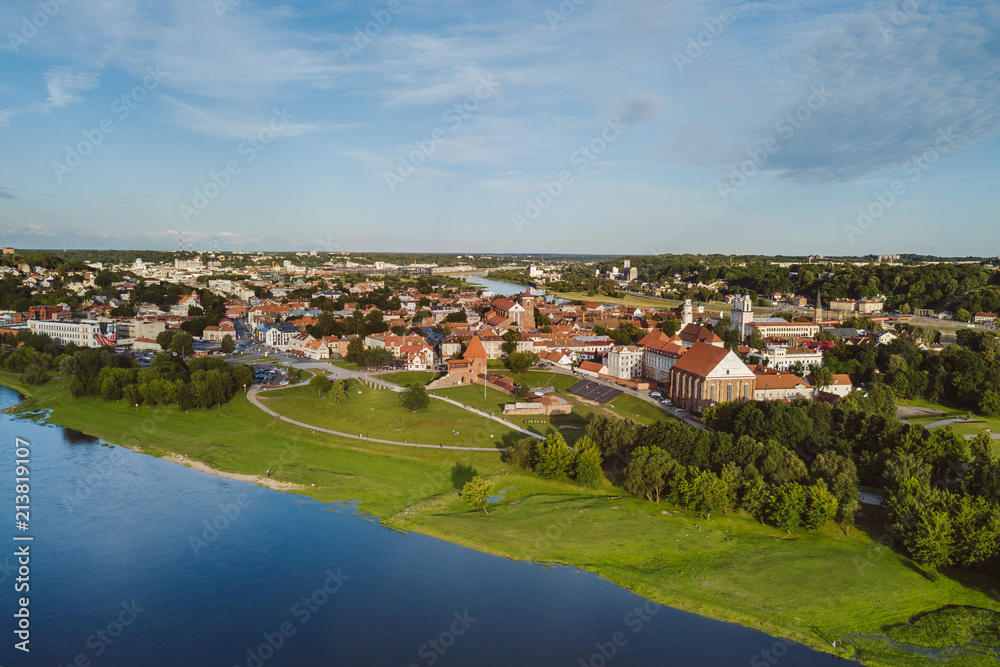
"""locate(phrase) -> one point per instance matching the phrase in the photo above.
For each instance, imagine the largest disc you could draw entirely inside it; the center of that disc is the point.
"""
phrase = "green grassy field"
(377, 413)
(811, 587)
(406, 378)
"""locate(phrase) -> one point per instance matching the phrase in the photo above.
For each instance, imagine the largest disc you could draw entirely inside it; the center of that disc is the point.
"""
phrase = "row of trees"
(198, 383)
(552, 458)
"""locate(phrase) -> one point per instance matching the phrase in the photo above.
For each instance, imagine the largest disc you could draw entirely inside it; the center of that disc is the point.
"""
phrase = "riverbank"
(814, 588)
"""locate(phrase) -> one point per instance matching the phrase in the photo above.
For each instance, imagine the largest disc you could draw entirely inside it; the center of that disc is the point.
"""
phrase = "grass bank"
(810, 587)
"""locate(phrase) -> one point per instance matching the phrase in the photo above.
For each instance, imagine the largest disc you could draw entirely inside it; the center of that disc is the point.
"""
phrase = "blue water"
(119, 577)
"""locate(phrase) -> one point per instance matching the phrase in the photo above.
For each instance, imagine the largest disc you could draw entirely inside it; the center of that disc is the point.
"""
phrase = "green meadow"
(815, 588)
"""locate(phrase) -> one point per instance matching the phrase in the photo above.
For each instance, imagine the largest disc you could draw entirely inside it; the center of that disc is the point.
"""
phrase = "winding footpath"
(252, 396)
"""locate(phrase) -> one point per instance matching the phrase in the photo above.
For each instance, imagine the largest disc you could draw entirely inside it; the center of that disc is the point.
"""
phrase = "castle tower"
(688, 316)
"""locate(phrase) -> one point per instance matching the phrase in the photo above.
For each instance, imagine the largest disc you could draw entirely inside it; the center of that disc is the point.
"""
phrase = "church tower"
(527, 319)
(742, 314)
(818, 315)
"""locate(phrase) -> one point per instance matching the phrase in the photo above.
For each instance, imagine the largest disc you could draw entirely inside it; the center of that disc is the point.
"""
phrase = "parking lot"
(266, 374)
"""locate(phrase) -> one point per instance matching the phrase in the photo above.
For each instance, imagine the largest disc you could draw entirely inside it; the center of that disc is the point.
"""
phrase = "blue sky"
(632, 127)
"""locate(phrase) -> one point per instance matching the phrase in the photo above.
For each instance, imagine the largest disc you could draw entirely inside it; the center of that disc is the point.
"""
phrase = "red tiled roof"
(475, 349)
(701, 359)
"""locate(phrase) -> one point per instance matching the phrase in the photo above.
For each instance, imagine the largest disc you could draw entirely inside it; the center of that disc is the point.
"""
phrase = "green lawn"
(343, 363)
(406, 378)
(811, 587)
(638, 410)
(543, 378)
(377, 413)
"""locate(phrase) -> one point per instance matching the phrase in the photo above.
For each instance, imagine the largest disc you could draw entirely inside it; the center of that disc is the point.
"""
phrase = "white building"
(783, 358)
(279, 336)
(625, 362)
(86, 333)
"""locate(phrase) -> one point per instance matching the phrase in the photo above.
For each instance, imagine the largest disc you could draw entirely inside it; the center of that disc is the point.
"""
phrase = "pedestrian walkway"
(252, 397)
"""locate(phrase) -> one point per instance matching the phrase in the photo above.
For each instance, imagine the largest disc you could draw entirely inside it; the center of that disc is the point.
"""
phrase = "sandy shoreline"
(270, 483)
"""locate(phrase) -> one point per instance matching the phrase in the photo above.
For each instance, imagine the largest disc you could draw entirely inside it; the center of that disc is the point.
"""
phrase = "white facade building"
(625, 362)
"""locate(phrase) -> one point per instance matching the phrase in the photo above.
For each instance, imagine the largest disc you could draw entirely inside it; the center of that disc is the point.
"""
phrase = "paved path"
(252, 397)
(488, 416)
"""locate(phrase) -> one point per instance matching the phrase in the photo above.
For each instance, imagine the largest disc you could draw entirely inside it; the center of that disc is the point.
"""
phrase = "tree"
(519, 362)
(587, 462)
(989, 404)
(962, 315)
(553, 457)
(646, 474)
(338, 391)
(320, 383)
(182, 344)
(477, 492)
(510, 338)
(671, 325)
(521, 453)
(822, 377)
(355, 350)
(227, 345)
(785, 506)
(821, 506)
(711, 493)
(164, 337)
(930, 541)
(415, 398)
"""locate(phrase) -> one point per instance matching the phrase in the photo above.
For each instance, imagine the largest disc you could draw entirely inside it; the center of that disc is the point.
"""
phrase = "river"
(143, 563)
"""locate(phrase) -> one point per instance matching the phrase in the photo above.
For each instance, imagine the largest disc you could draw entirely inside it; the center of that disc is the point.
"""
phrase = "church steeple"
(818, 315)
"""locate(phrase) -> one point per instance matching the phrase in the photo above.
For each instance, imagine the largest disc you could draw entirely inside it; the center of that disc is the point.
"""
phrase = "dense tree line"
(966, 375)
(100, 373)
